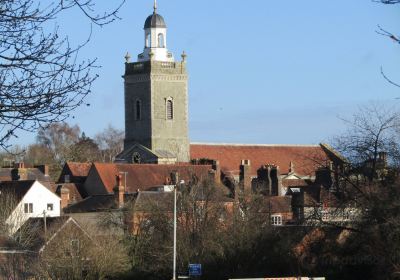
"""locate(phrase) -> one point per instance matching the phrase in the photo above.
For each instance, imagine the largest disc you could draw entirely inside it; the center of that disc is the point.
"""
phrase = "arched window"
(148, 40)
(138, 110)
(170, 109)
(161, 40)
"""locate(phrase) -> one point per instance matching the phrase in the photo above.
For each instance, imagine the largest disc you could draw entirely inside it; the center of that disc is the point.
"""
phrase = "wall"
(39, 196)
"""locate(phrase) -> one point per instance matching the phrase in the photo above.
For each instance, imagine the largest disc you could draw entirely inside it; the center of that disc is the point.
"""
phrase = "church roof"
(154, 20)
(305, 158)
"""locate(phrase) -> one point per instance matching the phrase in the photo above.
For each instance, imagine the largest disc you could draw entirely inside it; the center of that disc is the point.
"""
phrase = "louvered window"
(170, 110)
(138, 110)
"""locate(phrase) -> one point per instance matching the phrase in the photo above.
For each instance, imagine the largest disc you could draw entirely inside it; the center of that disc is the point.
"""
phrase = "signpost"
(195, 269)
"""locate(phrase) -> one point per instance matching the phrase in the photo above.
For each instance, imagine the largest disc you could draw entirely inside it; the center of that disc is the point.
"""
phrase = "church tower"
(156, 101)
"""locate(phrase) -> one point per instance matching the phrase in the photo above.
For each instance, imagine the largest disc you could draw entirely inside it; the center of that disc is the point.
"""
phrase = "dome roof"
(154, 20)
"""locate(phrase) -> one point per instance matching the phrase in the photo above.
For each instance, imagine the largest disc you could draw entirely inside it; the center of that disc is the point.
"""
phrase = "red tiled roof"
(280, 204)
(76, 191)
(143, 176)
(305, 158)
(79, 169)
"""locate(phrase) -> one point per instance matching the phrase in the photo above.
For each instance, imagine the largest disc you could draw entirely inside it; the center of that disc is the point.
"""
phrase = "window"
(28, 208)
(50, 207)
(161, 40)
(170, 109)
(148, 40)
(136, 158)
(138, 110)
(75, 247)
(276, 220)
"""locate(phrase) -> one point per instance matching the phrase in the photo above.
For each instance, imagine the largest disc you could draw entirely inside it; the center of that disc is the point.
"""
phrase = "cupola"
(155, 45)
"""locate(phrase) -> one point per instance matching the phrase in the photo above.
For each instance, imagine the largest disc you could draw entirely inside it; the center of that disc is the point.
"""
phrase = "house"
(22, 200)
(54, 239)
(20, 172)
(70, 185)
(101, 177)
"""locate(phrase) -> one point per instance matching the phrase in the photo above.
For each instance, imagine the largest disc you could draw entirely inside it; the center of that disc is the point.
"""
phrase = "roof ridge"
(256, 145)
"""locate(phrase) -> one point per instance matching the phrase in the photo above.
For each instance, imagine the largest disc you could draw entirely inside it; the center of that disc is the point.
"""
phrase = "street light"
(182, 182)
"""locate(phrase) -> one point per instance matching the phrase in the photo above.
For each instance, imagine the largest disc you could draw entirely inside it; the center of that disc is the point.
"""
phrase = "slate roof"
(96, 203)
(31, 174)
(161, 201)
(19, 188)
(144, 176)
(35, 227)
(306, 158)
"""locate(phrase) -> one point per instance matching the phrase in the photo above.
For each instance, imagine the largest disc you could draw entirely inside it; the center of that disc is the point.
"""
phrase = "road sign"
(195, 269)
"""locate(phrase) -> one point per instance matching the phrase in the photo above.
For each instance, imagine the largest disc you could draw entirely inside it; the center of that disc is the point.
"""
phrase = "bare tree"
(41, 77)
(111, 143)
(58, 138)
(390, 35)
(368, 185)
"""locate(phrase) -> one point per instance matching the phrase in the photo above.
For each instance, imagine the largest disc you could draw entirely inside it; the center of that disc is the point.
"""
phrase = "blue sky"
(260, 71)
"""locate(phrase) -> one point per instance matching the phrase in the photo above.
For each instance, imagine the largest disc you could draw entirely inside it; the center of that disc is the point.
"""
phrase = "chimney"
(19, 165)
(270, 176)
(217, 171)
(174, 177)
(43, 168)
(19, 172)
(245, 178)
(119, 191)
(64, 194)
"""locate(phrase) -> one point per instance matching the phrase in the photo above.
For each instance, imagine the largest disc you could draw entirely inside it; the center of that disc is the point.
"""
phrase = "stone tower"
(156, 101)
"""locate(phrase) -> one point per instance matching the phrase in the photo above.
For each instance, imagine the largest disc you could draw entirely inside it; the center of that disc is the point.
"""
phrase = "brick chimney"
(19, 172)
(274, 180)
(43, 168)
(217, 171)
(119, 191)
(64, 194)
(245, 178)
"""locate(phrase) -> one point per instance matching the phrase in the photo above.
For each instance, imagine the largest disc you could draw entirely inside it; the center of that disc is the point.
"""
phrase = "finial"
(155, 6)
(183, 55)
(127, 58)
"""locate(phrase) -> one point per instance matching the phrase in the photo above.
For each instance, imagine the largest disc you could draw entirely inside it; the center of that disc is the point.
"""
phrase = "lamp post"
(175, 226)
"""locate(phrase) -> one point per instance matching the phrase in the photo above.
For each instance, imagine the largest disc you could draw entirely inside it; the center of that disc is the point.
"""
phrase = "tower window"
(138, 110)
(161, 40)
(148, 40)
(170, 110)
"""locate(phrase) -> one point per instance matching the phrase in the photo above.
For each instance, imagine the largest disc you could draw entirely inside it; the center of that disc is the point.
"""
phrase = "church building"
(156, 123)
(156, 101)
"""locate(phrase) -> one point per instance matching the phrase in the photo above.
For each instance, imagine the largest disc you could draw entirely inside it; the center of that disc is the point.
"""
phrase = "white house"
(27, 199)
